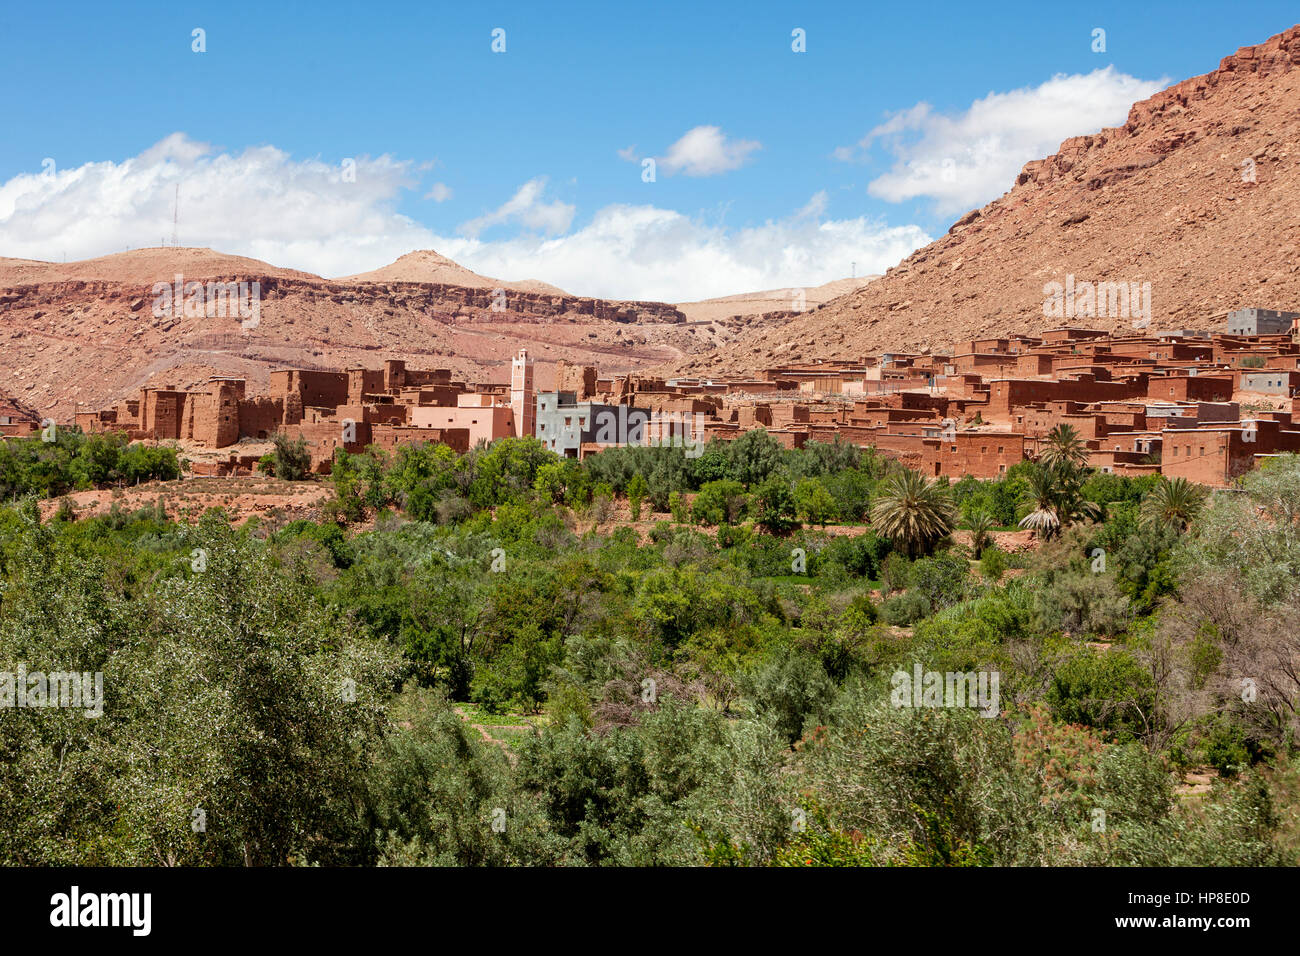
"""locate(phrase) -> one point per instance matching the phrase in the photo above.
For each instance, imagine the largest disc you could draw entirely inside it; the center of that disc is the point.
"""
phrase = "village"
(1202, 405)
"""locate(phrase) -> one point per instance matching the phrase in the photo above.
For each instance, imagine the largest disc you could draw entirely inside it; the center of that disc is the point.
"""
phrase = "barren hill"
(771, 300)
(145, 266)
(1197, 193)
(425, 265)
(89, 332)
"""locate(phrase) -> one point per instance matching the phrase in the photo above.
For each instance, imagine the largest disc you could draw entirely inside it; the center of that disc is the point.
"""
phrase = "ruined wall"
(437, 376)
(260, 417)
(389, 437)
(162, 412)
(361, 382)
(319, 389)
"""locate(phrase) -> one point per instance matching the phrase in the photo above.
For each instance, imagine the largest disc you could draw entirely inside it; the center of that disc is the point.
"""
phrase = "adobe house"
(983, 454)
(1191, 388)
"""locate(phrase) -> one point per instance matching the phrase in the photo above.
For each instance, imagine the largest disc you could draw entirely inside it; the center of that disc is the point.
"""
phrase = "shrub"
(788, 690)
(1108, 690)
(904, 609)
(994, 563)
(636, 492)
(895, 572)
(941, 579)
(291, 460)
(719, 502)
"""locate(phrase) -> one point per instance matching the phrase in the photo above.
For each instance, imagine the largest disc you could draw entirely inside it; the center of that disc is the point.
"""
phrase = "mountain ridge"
(1197, 193)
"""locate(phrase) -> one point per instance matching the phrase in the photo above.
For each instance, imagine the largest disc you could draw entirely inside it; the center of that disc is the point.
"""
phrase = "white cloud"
(628, 154)
(440, 192)
(258, 202)
(644, 252)
(526, 208)
(967, 159)
(304, 215)
(706, 151)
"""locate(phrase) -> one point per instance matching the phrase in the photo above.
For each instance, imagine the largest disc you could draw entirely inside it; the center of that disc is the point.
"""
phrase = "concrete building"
(1269, 382)
(1254, 321)
(565, 425)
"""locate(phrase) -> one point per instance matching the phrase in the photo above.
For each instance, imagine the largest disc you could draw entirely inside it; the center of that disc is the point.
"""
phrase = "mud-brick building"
(1216, 454)
(983, 454)
(351, 409)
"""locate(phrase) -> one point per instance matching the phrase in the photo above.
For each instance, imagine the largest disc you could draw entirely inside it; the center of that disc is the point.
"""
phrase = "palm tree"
(913, 513)
(1064, 449)
(1043, 519)
(1173, 504)
(1058, 501)
(981, 523)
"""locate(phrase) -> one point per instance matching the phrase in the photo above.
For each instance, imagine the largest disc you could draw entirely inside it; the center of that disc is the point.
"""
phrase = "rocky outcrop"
(1197, 193)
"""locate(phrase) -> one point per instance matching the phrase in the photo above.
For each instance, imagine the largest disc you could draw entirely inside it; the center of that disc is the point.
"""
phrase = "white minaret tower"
(521, 394)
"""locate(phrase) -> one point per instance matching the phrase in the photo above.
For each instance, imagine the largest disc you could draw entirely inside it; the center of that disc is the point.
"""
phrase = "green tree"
(1174, 503)
(980, 525)
(719, 502)
(814, 503)
(775, 505)
(913, 513)
(636, 491)
(1063, 448)
(291, 460)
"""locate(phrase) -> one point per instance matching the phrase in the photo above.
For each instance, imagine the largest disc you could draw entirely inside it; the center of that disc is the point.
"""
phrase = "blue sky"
(528, 163)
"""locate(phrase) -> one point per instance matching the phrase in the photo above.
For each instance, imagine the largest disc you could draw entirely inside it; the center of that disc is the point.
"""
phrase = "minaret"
(521, 394)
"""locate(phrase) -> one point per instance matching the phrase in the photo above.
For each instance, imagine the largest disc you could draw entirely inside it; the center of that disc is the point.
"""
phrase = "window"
(568, 421)
(984, 449)
(1001, 448)
(1202, 449)
(1002, 468)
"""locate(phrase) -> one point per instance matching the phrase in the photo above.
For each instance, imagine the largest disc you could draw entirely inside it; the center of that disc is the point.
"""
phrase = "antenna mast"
(176, 214)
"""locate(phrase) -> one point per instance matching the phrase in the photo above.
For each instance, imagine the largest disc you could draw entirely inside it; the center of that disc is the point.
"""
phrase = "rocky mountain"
(1197, 194)
(87, 333)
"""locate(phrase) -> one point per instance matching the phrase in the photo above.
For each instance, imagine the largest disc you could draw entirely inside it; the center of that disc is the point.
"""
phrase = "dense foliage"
(479, 659)
(66, 460)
